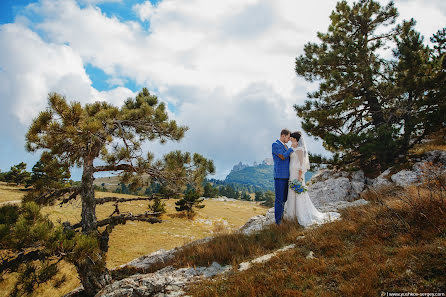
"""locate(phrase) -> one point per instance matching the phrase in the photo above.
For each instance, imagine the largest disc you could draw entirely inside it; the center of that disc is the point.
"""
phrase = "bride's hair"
(296, 135)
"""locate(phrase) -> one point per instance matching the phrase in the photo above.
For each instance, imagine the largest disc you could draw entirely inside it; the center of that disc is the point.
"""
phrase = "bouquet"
(297, 186)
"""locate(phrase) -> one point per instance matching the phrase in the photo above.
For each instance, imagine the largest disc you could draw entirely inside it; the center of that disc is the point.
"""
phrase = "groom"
(281, 157)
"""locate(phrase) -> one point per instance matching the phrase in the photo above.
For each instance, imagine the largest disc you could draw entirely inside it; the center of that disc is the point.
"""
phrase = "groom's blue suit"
(281, 157)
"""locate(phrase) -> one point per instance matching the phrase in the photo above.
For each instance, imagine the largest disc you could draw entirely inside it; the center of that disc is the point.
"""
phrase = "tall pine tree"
(370, 110)
(76, 135)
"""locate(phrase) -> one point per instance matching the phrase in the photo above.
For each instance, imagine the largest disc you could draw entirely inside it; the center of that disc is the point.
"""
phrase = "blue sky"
(224, 68)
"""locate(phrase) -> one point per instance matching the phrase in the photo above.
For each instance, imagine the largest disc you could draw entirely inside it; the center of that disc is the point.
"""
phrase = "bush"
(158, 207)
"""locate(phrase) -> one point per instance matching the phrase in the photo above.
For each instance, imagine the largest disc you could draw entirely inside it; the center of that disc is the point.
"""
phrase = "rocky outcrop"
(329, 191)
(258, 222)
(165, 282)
(413, 175)
(329, 186)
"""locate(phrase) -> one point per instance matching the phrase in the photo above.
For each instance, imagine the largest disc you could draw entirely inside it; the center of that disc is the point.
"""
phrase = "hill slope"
(260, 176)
(136, 239)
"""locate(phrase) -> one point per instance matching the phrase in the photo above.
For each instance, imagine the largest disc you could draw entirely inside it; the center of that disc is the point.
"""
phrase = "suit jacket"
(281, 167)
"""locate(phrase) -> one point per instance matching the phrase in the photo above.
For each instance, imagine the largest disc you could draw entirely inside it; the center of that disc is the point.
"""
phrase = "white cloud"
(227, 67)
(94, 2)
(144, 10)
(32, 68)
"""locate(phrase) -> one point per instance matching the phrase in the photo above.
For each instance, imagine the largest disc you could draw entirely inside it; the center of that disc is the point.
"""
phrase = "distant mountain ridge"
(257, 175)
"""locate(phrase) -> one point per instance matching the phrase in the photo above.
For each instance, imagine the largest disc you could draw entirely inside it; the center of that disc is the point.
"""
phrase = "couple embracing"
(290, 164)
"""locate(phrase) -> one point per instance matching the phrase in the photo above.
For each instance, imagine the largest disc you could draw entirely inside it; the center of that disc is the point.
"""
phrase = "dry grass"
(135, 239)
(10, 193)
(436, 141)
(397, 243)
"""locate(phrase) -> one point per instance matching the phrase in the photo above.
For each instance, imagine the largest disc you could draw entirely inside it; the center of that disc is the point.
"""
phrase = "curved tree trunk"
(88, 216)
(94, 275)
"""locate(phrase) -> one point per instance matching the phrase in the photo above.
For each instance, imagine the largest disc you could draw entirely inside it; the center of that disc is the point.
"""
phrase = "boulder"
(382, 180)
(258, 222)
(414, 174)
(405, 177)
(330, 186)
(165, 282)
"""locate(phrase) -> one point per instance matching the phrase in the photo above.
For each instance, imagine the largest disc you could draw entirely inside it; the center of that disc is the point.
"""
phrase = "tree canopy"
(100, 137)
(370, 108)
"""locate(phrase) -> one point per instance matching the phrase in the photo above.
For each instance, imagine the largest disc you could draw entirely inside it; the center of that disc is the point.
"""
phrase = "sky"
(224, 68)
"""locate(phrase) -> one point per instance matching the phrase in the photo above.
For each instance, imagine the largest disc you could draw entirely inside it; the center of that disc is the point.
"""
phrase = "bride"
(299, 205)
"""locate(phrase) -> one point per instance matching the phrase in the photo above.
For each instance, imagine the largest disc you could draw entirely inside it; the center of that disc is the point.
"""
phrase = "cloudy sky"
(224, 68)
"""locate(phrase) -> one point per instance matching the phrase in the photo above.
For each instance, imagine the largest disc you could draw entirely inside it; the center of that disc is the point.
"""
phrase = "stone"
(331, 190)
(404, 178)
(382, 180)
(335, 206)
(167, 282)
(246, 265)
(310, 255)
(258, 222)
(436, 156)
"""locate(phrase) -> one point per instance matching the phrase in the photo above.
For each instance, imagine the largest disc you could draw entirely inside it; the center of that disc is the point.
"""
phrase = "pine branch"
(22, 257)
(123, 218)
(120, 200)
(71, 197)
(60, 192)
(125, 167)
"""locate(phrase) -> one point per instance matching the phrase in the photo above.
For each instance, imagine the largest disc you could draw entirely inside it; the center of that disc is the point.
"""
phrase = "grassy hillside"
(139, 238)
(389, 245)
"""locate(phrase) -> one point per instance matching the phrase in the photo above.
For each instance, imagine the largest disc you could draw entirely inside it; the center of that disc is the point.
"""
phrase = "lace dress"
(299, 205)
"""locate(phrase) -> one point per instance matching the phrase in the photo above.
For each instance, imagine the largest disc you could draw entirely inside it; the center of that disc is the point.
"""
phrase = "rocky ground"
(329, 191)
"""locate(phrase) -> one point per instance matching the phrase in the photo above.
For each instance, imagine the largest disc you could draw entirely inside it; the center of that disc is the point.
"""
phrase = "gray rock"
(334, 189)
(405, 177)
(413, 175)
(335, 206)
(310, 255)
(258, 222)
(382, 179)
(165, 282)
(436, 156)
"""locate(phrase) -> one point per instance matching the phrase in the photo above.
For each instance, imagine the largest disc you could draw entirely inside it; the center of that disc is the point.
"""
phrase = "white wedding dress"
(299, 205)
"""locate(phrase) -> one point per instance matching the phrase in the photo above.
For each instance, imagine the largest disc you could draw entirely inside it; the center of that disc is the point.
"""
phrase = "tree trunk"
(93, 275)
(88, 220)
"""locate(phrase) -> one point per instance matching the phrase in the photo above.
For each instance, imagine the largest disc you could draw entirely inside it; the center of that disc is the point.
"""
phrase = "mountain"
(258, 175)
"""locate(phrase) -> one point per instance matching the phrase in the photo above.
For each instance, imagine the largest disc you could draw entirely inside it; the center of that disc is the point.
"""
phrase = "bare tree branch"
(126, 167)
(120, 200)
(22, 257)
(123, 218)
(71, 197)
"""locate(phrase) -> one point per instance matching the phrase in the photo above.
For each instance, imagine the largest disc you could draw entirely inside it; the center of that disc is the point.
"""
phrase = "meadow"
(135, 239)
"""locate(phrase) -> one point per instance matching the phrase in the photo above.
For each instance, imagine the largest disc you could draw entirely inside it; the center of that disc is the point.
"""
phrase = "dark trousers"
(281, 187)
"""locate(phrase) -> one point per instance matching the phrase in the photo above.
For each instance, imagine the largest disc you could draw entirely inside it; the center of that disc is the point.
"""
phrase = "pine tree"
(210, 191)
(77, 135)
(369, 110)
(40, 244)
(259, 196)
(158, 207)
(18, 174)
(245, 196)
(48, 175)
(190, 201)
(269, 198)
